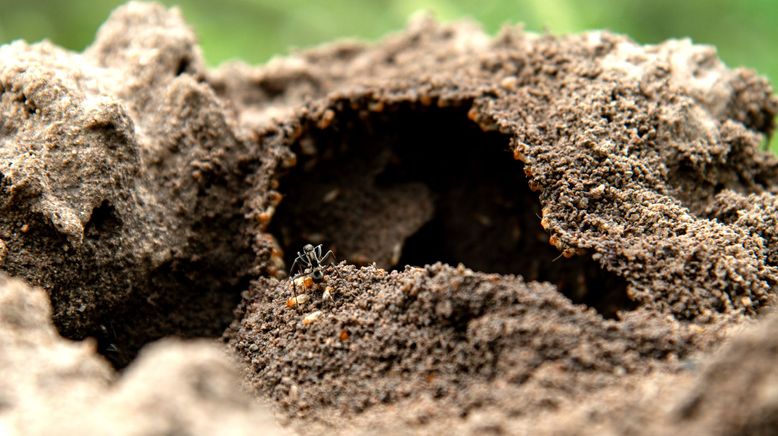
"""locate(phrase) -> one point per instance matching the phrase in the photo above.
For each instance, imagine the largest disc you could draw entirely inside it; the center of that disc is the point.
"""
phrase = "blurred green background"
(254, 30)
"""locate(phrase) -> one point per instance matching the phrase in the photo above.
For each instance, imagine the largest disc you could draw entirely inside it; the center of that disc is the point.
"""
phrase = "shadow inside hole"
(103, 221)
(415, 185)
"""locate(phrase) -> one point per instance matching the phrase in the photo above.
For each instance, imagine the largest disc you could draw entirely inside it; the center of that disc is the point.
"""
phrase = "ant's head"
(317, 275)
(308, 248)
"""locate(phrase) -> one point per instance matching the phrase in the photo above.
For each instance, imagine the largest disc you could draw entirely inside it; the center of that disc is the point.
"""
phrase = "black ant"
(311, 261)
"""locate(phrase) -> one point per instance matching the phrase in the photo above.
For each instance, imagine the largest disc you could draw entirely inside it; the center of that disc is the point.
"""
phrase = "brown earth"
(606, 209)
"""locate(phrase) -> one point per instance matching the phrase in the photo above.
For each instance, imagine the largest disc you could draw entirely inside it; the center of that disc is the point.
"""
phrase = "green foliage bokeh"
(255, 30)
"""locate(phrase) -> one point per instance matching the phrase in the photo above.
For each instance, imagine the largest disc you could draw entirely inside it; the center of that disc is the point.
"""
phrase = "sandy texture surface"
(447, 338)
(54, 386)
(116, 194)
(585, 219)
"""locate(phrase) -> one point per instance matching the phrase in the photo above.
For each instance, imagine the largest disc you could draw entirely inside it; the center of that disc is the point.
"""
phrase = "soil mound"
(626, 157)
(460, 338)
(629, 178)
(608, 206)
(52, 386)
(119, 195)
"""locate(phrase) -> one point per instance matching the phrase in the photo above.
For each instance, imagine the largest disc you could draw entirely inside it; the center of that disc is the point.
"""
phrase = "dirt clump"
(608, 169)
(736, 391)
(119, 177)
(627, 162)
(54, 386)
(731, 391)
(461, 338)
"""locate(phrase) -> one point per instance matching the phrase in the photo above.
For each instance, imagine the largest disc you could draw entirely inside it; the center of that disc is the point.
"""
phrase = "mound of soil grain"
(619, 162)
(533, 233)
(452, 336)
(52, 386)
(119, 195)
(614, 173)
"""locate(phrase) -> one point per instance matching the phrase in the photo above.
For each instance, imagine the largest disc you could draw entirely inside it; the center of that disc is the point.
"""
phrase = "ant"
(311, 261)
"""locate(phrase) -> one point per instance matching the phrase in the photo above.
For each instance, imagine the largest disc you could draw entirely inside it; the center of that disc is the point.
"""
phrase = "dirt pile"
(54, 386)
(119, 191)
(451, 336)
(632, 164)
(731, 392)
(609, 203)
(630, 178)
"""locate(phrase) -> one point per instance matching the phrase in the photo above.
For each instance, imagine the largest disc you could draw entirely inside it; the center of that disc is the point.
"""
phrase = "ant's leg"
(294, 265)
(303, 266)
(331, 257)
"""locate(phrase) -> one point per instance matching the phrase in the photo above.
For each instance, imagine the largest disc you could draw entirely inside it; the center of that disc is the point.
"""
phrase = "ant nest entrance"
(414, 184)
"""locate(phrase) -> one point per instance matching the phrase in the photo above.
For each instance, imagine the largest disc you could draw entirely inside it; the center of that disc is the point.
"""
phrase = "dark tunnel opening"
(415, 185)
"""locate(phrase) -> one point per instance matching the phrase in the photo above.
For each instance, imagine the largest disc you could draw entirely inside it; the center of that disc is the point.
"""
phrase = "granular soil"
(460, 338)
(625, 180)
(585, 218)
(613, 171)
(119, 195)
(52, 386)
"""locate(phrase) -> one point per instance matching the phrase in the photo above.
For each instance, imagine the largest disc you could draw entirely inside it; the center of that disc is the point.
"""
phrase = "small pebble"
(293, 302)
(311, 317)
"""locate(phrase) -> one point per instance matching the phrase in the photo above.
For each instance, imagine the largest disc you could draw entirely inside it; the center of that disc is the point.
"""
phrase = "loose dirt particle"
(312, 317)
(298, 300)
